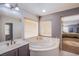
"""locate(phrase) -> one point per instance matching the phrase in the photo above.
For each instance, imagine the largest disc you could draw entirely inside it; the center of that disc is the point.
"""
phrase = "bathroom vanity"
(21, 51)
(11, 29)
(10, 53)
(24, 50)
(18, 49)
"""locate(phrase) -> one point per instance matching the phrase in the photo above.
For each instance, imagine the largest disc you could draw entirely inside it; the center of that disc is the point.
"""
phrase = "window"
(30, 28)
(45, 28)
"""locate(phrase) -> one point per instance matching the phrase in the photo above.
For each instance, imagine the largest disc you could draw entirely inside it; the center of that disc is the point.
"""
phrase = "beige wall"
(46, 28)
(30, 28)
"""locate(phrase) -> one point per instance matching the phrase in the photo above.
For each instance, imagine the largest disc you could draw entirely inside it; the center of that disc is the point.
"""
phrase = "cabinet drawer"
(24, 50)
(10, 53)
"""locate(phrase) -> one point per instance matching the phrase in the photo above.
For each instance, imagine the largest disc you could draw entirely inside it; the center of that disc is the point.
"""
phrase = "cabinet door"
(24, 50)
(10, 53)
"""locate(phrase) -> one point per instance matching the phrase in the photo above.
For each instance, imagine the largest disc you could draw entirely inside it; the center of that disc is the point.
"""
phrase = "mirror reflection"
(70, 33)
(8, 31)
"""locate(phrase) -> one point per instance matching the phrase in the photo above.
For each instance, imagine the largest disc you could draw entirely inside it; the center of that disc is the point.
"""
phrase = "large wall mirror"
(11, 29)
(70, 34)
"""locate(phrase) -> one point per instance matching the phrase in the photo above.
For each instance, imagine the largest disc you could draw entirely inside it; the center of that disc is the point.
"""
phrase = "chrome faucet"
(11, 43)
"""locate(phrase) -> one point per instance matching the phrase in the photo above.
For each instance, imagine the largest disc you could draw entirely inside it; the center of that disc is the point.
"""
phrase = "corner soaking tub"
(44, 46)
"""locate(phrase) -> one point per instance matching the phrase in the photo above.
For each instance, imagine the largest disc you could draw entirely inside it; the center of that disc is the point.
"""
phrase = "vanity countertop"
(19, 42)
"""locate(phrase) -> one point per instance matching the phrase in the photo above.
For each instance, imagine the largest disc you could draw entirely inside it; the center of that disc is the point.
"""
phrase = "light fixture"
(12, 7)
(43, 10)
(16, 8)
(7, 5)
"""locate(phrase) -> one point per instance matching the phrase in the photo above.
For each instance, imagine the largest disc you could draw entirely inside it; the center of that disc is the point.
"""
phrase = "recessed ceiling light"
(43, 10)
(16, 8)
(7, 5)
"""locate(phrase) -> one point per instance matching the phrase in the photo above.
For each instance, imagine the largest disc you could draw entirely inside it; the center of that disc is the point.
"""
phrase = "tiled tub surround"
(44, 46)
(5, 48)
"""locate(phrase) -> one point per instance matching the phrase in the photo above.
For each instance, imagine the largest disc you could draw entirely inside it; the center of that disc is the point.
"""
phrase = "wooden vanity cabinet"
(10, 53)
(24, 50)
(21, 51)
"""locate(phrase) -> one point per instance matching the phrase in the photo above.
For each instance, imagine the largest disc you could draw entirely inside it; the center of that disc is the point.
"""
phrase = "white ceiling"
(36, 8)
